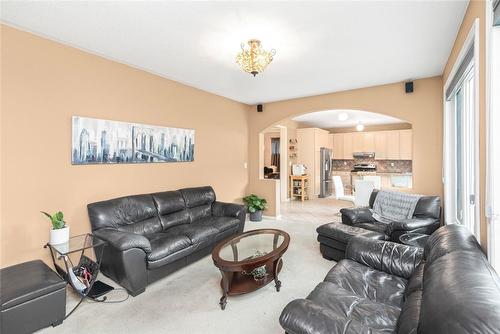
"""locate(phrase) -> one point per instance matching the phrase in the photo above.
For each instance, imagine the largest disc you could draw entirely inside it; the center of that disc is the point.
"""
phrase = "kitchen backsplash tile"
(394, 166)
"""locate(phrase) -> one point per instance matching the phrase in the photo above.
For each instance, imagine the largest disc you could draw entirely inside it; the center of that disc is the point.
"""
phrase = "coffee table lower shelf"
(238, 283)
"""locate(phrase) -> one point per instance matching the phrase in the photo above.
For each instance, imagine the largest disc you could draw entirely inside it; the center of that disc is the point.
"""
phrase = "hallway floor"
(187, 300)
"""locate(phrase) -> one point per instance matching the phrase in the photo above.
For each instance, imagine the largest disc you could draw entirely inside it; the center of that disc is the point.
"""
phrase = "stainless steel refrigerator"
(325, 170)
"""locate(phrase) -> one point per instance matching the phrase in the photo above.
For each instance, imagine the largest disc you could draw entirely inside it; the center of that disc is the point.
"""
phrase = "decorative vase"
(256, 216)
(59, 236)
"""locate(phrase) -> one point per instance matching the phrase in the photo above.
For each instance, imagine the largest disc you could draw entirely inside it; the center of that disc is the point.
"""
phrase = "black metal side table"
(414, 239)
(78, 244)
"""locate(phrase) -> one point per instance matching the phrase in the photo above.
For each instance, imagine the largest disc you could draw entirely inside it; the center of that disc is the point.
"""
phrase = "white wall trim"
(472, 37)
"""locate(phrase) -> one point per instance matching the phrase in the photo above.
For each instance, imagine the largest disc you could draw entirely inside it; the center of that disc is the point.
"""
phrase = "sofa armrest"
(390, 257)
(412, 224)
(238, 211)
(123, 241)
(303, 316)
(351, 216)
(221, 209)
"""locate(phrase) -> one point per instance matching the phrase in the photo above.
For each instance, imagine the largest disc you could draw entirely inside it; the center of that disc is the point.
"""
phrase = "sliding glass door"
(461, 149)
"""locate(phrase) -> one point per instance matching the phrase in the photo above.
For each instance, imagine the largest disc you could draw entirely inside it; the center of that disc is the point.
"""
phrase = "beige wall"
(423, 109)
(476, 9)
(44, 84)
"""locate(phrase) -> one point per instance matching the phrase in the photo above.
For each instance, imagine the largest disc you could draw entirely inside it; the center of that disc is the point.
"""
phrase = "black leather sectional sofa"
(384, 287)
(426, 218)
(150, 236)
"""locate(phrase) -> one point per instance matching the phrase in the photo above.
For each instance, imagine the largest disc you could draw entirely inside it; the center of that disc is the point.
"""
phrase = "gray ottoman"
(33, 296)
(333, 238)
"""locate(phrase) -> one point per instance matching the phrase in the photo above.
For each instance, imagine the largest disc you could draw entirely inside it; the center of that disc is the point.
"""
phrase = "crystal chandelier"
(254, 60)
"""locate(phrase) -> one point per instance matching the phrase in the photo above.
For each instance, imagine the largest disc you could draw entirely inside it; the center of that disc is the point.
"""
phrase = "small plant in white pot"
(255, 206)
(59, 234)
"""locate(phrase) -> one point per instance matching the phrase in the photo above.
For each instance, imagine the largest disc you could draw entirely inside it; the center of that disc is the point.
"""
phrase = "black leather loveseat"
(426, 218)
(150, 236)
(385, 287)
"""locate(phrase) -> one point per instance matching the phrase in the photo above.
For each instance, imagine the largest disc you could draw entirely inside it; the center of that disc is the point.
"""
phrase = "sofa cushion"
(221, 223)
(375, 315)
(198, 196)
(343, 232)
(165, 244)
(196, 232)
(450, 239)
(199, 212)
(368, 283)
(373, 226)
(305, 316)
(410, 314)
(136, 214)
(428, 207)
(171, 208)
(461, 294)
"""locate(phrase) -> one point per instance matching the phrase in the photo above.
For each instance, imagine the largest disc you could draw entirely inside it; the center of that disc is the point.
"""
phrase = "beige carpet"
(187, 301)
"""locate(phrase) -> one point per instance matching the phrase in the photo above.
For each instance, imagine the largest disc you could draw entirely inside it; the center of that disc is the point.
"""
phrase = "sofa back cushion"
(461, 291)
(447, 239)
(171, 208)
(135, 214)
(198, 202)
(461, 295)
(427, 206)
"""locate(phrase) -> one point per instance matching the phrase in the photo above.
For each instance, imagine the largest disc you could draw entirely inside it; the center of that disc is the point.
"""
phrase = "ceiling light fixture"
(343, 116)
(254, 59)
(360, 127)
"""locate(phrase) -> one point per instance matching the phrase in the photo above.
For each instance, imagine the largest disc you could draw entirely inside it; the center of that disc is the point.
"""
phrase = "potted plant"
(255, 206)
(59, 233)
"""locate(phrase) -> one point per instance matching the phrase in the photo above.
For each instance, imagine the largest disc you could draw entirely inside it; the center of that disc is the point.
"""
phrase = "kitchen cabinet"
(330, 142)
(405, 144)
(358, 142)
(338, 146)
(368, 142)
(387, 145)
(348, 147)
(392, 150)
(380, 145)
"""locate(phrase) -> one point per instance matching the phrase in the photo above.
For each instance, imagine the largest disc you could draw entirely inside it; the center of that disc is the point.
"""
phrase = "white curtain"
(493, 155)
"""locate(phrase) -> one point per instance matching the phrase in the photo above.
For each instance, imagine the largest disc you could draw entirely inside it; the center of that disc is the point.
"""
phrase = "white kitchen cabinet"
(406, 144)
(380, 145)
(338, 146)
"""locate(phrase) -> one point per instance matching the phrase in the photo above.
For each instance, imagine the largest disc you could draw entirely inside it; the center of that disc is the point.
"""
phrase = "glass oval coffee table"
(250, 261)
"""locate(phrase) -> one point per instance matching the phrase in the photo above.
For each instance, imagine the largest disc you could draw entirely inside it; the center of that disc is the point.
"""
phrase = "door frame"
(448, 138)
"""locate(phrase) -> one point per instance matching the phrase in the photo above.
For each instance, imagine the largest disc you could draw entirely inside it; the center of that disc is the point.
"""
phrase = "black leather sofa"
(150, 236)
(426, 218)
(385, 287)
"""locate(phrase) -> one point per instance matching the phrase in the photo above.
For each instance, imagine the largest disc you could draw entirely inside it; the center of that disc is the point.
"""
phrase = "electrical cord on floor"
(105, 300)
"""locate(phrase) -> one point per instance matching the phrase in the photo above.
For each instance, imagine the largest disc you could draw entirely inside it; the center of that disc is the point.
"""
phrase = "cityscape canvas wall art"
(98, 141)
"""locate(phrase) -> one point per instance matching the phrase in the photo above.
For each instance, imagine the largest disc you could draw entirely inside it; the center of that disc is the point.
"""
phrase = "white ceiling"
(329, 119)
(321, 46)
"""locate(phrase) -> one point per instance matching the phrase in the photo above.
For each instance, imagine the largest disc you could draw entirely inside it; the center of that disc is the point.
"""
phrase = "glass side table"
(414, 239)
(82, 276)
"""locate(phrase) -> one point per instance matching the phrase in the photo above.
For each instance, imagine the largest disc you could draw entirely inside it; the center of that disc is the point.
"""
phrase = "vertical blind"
(458, 77)
(496, 13)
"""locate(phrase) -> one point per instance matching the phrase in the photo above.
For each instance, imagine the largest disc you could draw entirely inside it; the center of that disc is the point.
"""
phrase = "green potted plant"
(59, 233)
(255, 206)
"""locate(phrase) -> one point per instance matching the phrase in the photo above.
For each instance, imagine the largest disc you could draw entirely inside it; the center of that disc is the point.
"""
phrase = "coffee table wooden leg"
(225, 289)
(276, 266)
